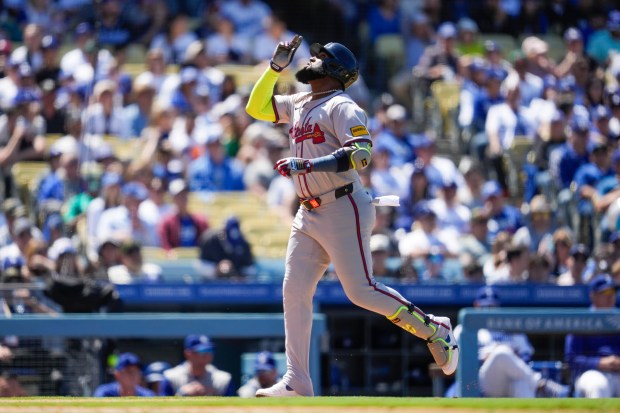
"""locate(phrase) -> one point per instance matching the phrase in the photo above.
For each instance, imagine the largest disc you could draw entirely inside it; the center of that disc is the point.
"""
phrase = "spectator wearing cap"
(128, 376)
(21, 234)
(607, 40)
(77, 57)
(595, 359)
(475, 244)
(154, 376)
(197, 376)
(396, 137)
(137, 114)
(502, 217)
(452, 216)
(225, 252)
(568, 158)
(468, 43)
(530, 85)
(385, 179)
(540, 226)
(54, 115)
(577, 266)
(504, 356)
(50, 69)
(589, 175)
(175, 40)
(22, 131)
(63, 183)
(124, 220)
(424, 236)
(30, 51)
(265, 375)
(439, 61)
(103, 116)
(132, 268)
(504, 122)
(180, 228)
(213, 78)
(437, 168)
(573, 40)
(107, 256)
(214, 170)
(183, 98)
(64, 254)
(493, 54)
(471, 92)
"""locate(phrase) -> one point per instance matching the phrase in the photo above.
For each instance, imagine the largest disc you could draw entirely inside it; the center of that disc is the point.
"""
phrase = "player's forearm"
(259, 104)
(349, 157)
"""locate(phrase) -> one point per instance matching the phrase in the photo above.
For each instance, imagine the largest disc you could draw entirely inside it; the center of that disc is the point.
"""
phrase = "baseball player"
(330, 142)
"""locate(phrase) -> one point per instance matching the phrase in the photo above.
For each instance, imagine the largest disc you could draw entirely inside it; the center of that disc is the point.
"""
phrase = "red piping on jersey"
(275, 109)
(361, 247)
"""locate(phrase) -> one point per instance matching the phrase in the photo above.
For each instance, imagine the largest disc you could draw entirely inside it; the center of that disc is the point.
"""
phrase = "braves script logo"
(308, 131)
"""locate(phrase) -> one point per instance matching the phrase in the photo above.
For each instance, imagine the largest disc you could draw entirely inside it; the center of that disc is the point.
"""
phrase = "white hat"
(59, 247)
(396, 112)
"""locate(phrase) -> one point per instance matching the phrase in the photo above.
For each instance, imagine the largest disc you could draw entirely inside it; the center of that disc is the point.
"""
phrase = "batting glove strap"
(300, 166)
(275, 67)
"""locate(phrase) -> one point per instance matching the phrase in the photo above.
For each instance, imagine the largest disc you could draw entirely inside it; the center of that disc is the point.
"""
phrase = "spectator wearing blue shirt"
(214, 170)
(384, 18)
(183, 96)
(128, 376)
(136, 115)
(64, 183)
(595, 359)
(472, 91)
(502, 217)
(605, 40)
(568, 158)
(589, 175)
(396, 138)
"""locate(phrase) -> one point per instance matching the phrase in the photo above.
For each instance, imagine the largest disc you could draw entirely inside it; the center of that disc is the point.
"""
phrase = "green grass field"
(322, 404)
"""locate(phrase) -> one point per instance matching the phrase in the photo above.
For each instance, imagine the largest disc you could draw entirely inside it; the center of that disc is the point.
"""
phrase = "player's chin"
(308, 74)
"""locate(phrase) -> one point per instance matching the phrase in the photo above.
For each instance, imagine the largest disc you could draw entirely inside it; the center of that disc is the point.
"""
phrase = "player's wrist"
(275, 67)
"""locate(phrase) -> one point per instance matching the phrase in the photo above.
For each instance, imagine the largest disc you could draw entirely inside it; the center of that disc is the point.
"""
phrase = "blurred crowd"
(70, 88)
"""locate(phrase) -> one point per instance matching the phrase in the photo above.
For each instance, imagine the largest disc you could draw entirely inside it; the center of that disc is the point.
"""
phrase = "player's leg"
(504, 374)
(350, 220)
(306, 262)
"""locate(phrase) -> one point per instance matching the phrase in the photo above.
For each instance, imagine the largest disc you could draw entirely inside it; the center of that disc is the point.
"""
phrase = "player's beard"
(309, 73)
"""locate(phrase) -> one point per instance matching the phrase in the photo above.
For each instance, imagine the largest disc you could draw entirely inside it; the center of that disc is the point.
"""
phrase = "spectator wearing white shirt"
(124, 221)
(424, 236)
(504, 122)
(77, 57)
(30, 52)
(103, 117)
(110, 197)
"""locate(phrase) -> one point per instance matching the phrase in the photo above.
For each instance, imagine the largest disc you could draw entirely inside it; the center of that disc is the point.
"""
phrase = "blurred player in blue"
(128, 375)
(265, 375)
(595, 359)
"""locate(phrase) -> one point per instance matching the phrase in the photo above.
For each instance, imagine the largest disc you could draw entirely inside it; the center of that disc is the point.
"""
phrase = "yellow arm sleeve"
(259, 105)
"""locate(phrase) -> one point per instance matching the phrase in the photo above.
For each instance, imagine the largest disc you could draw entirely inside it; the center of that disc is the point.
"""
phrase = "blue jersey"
(584, 352)
(400, 148)
(508, 219)
(114, 390)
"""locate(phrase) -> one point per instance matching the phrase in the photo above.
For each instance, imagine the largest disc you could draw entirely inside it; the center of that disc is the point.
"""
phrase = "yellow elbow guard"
(359, 155)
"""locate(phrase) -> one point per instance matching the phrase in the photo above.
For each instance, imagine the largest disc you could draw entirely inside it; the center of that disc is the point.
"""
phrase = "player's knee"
(593, 384)
(356, 295)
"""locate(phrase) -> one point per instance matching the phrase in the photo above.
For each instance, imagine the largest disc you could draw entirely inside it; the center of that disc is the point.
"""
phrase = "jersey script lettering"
(308, 131)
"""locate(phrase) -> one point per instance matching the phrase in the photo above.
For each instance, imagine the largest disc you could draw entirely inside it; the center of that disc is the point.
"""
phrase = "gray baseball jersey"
(337, 231)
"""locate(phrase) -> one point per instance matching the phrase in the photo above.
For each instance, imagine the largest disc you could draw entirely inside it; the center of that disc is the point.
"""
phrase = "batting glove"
(283, 55)
(293, 166)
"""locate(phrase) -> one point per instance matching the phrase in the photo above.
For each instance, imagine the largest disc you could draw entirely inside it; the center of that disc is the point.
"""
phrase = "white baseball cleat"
(279, 389)
(443, 345)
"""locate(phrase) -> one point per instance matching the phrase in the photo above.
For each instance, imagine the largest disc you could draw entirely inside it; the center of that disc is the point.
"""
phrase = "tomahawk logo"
(308, 131)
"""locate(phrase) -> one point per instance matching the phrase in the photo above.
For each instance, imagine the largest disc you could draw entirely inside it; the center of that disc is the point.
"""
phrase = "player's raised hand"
(293, 166)
(283, 55)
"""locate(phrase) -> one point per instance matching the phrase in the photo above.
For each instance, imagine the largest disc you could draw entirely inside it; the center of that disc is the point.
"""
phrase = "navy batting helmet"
(341, 64)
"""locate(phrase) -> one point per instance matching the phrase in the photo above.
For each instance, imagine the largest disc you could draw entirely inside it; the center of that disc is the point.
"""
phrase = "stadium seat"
(446, 96)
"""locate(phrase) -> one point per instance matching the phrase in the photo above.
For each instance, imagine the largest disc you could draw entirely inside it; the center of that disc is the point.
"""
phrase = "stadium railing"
(528, 321)
(87, 332)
